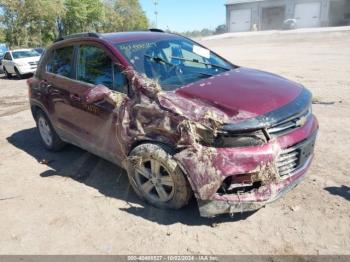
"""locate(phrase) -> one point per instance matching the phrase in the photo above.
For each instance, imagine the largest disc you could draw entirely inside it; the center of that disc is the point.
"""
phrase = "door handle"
(75, 97)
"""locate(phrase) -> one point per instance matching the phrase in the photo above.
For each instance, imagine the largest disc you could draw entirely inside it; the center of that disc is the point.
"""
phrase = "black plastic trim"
(79, 35)
(156, 30)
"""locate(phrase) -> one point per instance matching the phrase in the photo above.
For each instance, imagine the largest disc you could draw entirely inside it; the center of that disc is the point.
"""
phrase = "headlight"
(21, 63)
(227, 139)
(253, 138)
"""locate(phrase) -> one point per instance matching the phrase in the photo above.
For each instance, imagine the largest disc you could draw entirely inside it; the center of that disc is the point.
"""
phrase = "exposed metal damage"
(181, 119)
(223, 179)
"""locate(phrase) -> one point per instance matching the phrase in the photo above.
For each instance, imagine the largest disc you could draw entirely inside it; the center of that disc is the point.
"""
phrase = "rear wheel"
(47, 134)
(157, 178)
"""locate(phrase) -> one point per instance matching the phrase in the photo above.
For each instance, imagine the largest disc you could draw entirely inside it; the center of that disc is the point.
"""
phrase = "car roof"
(118, 37)
(121, 37)
(23, 49)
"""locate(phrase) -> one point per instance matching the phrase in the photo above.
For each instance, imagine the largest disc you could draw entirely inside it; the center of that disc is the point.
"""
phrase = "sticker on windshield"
(201, 51)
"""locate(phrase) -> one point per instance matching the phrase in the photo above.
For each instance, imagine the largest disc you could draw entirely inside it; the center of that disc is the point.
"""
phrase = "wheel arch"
(167, 146)
(171, 150)
(35, 107)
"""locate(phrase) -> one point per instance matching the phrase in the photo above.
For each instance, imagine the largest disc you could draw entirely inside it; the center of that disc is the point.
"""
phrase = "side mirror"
(96, 94)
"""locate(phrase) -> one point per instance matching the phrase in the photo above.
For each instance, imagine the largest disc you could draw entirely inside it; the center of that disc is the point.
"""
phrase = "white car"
(20, 62)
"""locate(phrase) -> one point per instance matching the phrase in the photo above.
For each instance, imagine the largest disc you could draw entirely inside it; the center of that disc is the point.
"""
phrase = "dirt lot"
(80, 204)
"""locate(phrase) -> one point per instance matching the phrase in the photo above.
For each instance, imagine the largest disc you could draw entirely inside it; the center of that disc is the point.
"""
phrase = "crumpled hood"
(233, 96)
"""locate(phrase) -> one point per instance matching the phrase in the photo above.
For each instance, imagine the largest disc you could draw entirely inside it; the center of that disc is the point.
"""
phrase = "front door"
(95, 66)
(62, 96)
(72, 72)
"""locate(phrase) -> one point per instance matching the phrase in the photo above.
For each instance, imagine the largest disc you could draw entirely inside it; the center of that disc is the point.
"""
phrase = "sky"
(186, 15)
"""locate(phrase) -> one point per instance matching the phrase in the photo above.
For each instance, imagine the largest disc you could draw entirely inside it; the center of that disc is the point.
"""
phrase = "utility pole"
(155, 2)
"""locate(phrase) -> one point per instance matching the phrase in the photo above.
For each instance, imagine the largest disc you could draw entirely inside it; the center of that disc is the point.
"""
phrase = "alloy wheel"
(155, 181)
(45, 131)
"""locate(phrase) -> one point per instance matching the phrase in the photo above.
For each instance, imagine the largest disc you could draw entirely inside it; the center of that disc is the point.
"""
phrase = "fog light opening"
(238, 184)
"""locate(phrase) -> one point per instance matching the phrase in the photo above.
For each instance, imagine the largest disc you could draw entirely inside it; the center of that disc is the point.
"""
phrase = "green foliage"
(82, 16)
(123, 15)
(197, 33)
(2, 36)
(29, 23)
(221, 29)
(131, 14)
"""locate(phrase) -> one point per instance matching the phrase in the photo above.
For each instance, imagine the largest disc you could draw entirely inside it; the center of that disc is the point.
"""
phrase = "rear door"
(64, 96)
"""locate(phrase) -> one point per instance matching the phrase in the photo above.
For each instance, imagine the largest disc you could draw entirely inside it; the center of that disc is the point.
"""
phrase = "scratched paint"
(150, 114)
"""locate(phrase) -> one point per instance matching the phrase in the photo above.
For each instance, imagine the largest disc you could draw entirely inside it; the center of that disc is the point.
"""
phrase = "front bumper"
(26, 69)
(250, 202)
(207, 168)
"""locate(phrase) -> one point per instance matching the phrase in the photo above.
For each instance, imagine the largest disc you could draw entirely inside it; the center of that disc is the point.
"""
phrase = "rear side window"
(60, 62)
(96, 67)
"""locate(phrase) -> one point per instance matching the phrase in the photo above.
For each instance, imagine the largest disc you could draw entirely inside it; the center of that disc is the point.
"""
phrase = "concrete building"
(246, 15)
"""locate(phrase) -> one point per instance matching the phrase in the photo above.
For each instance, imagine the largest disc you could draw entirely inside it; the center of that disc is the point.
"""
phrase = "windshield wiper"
(203, 74)
(203, 63)
(158, 60)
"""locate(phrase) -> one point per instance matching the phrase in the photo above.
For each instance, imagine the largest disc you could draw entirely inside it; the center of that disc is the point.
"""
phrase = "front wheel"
(47, 134)
(156, 177)
(7, 74)
(19, 75)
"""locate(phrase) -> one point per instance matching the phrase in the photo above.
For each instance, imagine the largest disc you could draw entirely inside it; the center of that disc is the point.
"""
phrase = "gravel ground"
(76, 203)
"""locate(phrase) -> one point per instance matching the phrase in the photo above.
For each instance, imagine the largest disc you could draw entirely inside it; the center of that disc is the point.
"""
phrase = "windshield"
(173, 62)
(3, 49)
(24, 54)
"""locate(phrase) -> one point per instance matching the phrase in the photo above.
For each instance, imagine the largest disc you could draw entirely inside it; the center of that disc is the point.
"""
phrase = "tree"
(131, 14)
(82, 16)
(40, 17)
(25, 23)
(112, 21)
(30, 23)
(2, 35)
(221, 29)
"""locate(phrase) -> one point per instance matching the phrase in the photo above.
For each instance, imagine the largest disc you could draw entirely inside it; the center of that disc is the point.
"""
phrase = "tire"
(169, 189)
(49, 137)
(7, 74)
(18, 73)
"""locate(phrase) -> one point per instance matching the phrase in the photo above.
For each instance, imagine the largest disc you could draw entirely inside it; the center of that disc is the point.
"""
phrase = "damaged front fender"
(150, 114)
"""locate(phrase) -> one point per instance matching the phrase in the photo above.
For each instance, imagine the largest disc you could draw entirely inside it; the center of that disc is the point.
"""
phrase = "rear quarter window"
(61, 62)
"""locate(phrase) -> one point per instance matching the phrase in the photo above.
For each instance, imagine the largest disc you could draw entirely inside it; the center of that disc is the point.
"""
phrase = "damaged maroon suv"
(179, 118)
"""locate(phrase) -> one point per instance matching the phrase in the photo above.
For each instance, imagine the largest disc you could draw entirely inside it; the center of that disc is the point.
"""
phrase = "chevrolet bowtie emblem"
(301, 121)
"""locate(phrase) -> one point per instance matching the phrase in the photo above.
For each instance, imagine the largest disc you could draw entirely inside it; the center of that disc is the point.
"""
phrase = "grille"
(289, 124)
(288, 161)
(294, 157)
(33, 63)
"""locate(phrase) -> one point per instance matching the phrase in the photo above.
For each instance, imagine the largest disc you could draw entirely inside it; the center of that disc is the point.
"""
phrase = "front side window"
(8, 56)
(172, 62)
(24, 54)
(61, 62)
(96, 67)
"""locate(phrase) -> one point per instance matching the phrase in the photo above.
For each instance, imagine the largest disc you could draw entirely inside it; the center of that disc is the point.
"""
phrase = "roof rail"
(156, 30)
(72, 36)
